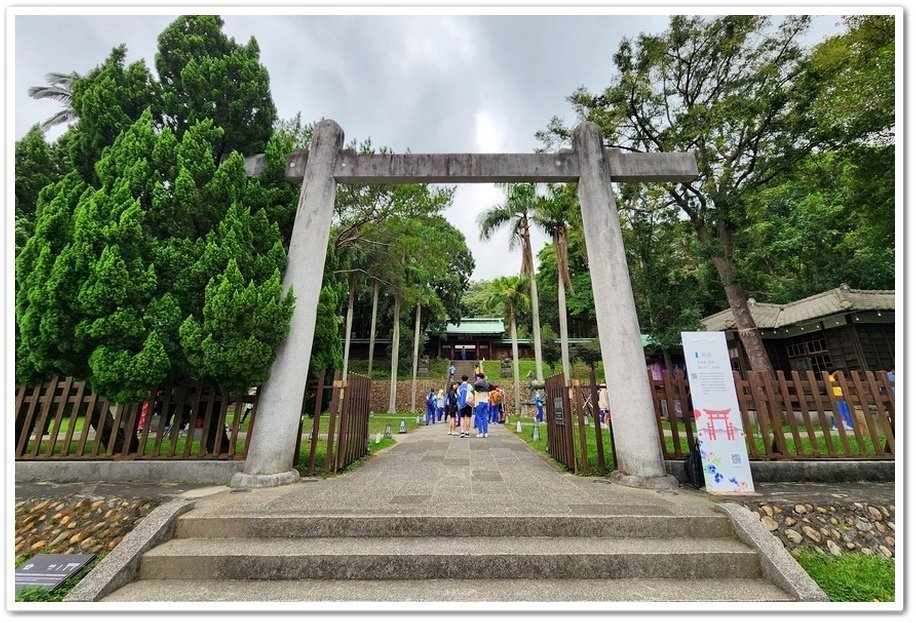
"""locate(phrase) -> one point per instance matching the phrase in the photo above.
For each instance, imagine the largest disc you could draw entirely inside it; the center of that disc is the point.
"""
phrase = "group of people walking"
(467, 404)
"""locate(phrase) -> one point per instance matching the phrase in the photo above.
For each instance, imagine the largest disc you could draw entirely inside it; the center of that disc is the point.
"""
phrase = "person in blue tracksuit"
(430, 407)
(539, 403)
(482, 407)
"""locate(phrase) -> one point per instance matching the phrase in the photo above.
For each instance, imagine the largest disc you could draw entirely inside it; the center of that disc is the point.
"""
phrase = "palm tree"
(553, 215)
(521, 202)
(509, 293)
(59, 89)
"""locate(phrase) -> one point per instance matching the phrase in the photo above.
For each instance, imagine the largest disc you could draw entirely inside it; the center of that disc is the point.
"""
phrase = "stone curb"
(195, 471)
(776, 563)
(120, 566)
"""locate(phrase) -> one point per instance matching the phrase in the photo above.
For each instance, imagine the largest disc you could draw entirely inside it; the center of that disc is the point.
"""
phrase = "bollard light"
(418, 418)
(387, 431)
(371, 413)
(536, 435)
(518, 426)
(586, 420)
(403, 427)
(378, 436)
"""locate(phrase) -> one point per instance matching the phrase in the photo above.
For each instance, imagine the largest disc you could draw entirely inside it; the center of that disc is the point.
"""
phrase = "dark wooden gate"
(559, 422)
(347, 437)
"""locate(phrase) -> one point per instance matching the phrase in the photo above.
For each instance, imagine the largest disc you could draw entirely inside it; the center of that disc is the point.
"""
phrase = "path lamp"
(536, 435)
(388, 430)
(518, 426)
(403, 427)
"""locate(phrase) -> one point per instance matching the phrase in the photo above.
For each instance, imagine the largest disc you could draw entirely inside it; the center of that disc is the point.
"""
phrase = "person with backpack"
(539, 403)
(495, 399)
(465, 405)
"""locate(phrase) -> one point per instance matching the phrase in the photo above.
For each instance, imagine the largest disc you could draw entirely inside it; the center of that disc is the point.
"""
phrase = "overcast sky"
(435, 83)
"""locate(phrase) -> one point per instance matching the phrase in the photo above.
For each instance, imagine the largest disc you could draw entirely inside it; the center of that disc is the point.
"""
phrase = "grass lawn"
(528, 426)
(850, 577)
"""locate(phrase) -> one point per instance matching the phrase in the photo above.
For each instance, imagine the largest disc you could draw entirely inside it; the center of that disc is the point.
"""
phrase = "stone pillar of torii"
(639, 455)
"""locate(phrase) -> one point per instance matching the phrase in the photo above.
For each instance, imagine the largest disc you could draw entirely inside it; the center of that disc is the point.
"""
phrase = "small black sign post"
(559, 414)
(50, 570)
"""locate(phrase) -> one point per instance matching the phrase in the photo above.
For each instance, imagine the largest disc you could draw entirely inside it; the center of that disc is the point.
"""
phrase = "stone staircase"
(274, 557)
(466, 367)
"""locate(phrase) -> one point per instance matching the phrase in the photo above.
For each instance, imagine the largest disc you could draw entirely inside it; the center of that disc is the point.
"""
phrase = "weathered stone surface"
(834, 522)
(863, 526)
(833, 548)
(812, 534)
(793, 536)
(880, 527)
(866, 550)
(800, 509)
(889, 540)
(858, 505)
(769, 523)
(790, 521)
(766, 509)
(875, 513)
(821, 509)
(886, 552)
(891, 525)
(777, 509)
(850, 545)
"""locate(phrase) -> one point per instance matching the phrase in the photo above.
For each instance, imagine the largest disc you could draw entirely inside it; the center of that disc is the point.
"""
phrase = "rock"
(87, 543)
(63, 536)
(890, 541)
(756, 515)
(884, 511)
(887, 553)
(40, 506)
(835, 534)
(96, 504)
(833, 548)
(833, 520)
(793, 536)
(809, 508)
(849, 536)
(875, 513)
(777, 509)
(769, 523)
(832, 509)
(863, 526)
(825, 531)
(65, 520)
(76, 538)
(880, 527)
(114, 542)
(812, 534)
(821, 519)
(858, 505)
(37, 545)
(850, 521)
(892, 509)
(766, 509)
(72, 524)
(790, 521)
(99, 526)
(867, 551)
(806, 520)
(821, 509)
(850, 545)
(800, 509)
(113, 511)
(891, 525)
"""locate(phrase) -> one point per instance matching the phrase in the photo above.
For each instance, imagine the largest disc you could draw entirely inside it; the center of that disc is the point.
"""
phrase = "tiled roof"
(477, 326)
(837, 301)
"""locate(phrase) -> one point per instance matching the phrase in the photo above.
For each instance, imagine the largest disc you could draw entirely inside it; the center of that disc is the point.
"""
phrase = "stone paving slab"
(430, 472)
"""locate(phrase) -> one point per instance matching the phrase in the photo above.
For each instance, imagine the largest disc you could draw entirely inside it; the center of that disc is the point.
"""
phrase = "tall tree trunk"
(514, 336)
(737, 298)
(349, 327)
(669, 366)
(564, 331)
(416, 355)
(372, 330)
(395, 343)
(528, 271)
(747, 328)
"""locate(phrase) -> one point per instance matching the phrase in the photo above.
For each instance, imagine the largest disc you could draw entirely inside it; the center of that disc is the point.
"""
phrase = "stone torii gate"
(639, 454)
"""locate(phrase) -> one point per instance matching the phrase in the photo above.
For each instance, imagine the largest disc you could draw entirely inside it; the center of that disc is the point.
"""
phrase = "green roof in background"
(477, 326)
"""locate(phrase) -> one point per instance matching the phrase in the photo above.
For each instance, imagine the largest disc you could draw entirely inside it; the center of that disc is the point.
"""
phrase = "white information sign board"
(720, 433)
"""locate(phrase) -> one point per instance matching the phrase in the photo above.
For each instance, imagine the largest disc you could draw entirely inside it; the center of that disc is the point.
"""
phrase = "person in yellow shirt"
(841, 405)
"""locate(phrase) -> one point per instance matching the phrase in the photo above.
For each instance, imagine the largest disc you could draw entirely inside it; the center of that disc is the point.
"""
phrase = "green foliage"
(158, 274)
(850, 577)
(107, 101)
(206, 75)
(35, 169)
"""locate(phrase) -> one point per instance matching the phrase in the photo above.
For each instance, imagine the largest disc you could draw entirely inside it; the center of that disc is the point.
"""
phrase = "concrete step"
(460, 558)
(552, 590)
(291, 526)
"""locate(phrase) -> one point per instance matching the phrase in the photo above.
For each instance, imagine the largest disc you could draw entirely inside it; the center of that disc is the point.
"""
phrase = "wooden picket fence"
(62, 420)
(790, 417)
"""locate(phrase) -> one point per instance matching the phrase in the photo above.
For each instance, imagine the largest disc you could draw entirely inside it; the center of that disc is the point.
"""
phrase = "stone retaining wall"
(378, 397)
(832, 529)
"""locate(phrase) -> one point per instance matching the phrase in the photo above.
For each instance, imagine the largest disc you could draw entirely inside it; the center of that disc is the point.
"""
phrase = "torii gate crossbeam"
(639, 455)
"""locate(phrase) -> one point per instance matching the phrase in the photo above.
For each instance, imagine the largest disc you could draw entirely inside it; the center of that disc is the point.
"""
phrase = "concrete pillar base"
(645, 482)
(259, 481)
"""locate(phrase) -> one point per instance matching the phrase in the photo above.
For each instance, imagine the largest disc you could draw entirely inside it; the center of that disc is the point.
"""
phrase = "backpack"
(462, 395)
(693, 465)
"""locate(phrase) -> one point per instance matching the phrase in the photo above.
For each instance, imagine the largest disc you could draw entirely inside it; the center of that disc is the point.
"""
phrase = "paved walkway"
(431, 473)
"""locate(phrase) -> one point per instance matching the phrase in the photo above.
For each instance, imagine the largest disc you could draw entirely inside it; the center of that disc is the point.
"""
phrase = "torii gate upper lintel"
(639, 456)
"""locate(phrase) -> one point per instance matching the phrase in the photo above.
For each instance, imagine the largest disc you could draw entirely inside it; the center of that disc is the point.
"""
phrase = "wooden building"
(843, 329)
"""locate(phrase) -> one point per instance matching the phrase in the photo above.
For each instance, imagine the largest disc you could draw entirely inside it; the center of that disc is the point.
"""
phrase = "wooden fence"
(62, 420)
(791, 417)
